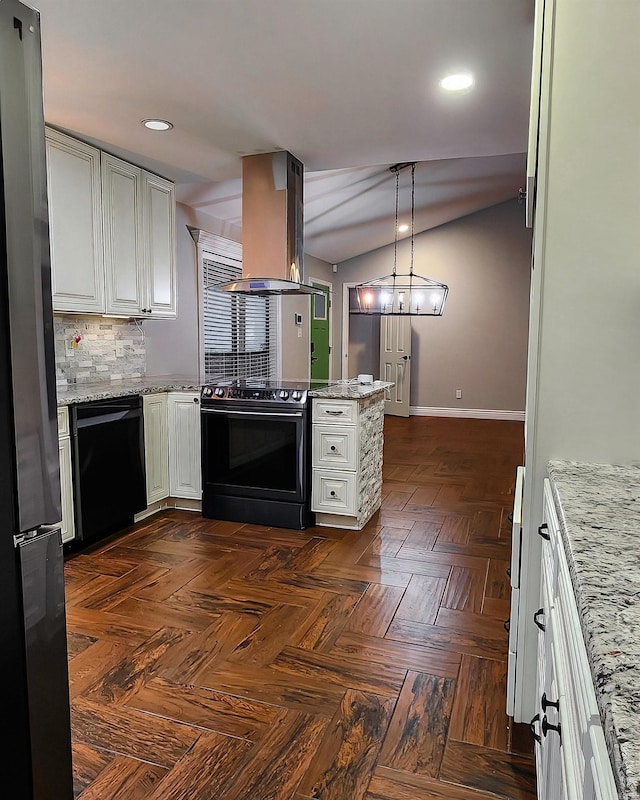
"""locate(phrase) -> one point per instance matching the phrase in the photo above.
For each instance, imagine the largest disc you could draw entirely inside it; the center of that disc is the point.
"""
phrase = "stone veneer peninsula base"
(347, 443)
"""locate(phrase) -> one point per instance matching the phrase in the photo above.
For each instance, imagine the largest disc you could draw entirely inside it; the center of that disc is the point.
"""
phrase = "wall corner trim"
(466, 413)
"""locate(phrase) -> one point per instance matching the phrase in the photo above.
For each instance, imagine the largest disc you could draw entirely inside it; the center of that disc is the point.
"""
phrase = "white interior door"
(395, 363)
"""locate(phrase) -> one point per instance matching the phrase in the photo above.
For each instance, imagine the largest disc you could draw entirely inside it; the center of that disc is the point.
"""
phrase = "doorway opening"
(320, 332)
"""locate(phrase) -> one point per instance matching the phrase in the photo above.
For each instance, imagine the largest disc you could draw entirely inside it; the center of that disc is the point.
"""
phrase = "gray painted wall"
(479, 345)
(295, 354)
(172, 345)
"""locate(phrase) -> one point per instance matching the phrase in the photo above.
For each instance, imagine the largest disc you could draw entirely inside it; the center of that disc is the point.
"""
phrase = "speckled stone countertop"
(350, 390)
(599, 511)
(86, 392)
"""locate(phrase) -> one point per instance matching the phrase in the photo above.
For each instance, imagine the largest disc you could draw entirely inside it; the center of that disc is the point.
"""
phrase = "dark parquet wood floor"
(211, 659)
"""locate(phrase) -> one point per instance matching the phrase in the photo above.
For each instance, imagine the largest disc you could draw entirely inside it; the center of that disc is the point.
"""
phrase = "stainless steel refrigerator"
(34, 687)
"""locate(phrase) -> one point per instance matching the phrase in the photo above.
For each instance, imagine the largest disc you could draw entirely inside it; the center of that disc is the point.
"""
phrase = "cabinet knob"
(196, 400)
(539, 613)
(333, 448)
(543, 531)
(546, 703)
(333, 494)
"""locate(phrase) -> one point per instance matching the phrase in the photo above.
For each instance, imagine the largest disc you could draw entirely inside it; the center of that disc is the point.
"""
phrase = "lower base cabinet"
(67, 527)
(172, 456)
(185, 479)
(347, 440)
(572, 761)
(156, 447)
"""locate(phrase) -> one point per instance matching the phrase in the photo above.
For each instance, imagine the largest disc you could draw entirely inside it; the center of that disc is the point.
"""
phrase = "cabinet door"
(156, 447)
(123, 236)
(75, 224)
(184, 445)
(160, 247)
(67, 529)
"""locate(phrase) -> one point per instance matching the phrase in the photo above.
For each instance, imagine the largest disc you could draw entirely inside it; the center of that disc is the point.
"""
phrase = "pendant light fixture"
(401, 294)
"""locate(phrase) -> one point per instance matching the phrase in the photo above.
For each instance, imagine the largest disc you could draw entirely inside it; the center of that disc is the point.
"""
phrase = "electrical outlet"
(458, 394)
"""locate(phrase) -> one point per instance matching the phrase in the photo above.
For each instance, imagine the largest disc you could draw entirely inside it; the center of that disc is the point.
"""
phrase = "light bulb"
(403, 228)
(435, 300)
(458, 82)
(418, 299)
(157, 124)
(368, 298)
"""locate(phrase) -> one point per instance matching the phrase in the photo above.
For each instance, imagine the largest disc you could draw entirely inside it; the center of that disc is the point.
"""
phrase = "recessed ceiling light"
(458, 82)
(403, 228)
(157, 124)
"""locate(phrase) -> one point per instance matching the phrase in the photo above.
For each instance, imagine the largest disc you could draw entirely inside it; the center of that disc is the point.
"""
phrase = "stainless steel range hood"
(272, 227)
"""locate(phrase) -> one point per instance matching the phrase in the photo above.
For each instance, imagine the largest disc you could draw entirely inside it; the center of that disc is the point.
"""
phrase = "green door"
(320, 304)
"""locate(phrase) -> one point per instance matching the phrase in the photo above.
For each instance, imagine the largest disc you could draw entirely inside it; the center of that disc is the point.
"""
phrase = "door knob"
(406, 358)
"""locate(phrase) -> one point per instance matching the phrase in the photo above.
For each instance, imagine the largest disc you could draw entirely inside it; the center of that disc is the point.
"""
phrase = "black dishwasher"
(108, 465)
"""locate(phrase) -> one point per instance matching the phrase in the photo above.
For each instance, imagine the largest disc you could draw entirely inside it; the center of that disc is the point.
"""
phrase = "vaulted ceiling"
(348, 86)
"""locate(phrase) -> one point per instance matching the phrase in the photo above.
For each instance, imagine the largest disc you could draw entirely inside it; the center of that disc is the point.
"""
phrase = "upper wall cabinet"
(160, 245)
(126, 217)
(123, 236)
(75, 223)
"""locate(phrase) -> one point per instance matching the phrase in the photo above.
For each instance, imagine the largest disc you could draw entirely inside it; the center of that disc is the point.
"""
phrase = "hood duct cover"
(272, 227)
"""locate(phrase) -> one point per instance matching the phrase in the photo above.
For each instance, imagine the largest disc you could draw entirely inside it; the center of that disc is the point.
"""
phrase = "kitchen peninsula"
(347, 442)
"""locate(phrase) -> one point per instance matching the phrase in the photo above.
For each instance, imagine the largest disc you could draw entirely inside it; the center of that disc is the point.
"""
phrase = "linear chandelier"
(401, 294)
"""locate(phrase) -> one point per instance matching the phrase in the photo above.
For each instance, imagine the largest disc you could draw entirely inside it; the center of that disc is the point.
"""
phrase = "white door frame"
(330, 317)
(344, 372)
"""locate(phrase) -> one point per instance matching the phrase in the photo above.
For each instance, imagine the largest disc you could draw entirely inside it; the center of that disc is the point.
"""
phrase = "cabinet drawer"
(335, 412)
(334, 447)
(63, 421)
(334, 492)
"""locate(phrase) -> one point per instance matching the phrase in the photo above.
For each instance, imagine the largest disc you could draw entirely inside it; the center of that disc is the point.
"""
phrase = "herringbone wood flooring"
(211, 659)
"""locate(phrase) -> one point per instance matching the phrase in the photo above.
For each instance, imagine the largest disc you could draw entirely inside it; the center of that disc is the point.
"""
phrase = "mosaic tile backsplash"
(90, 349)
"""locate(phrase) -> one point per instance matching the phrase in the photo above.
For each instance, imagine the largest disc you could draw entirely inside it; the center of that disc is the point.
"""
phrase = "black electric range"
(256, 452)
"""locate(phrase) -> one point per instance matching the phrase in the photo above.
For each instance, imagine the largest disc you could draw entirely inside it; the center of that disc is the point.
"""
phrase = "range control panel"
(254, 394)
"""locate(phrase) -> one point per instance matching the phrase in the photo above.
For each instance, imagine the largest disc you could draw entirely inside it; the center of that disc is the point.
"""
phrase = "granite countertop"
(350, 390)
(599, 511)
(86, 392)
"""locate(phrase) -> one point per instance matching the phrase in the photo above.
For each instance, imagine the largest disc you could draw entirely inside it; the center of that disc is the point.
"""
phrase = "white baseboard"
(181, 503)
(466, 413)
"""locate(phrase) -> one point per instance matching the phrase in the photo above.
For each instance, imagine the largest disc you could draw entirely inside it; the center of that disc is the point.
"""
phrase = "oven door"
(254, 453)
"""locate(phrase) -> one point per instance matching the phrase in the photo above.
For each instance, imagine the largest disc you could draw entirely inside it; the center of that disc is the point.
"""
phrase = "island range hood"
(272, 227)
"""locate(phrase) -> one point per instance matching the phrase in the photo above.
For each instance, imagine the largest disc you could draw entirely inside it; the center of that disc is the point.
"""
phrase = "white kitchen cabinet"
(139, 237)
(67, 527)
(335, 462)
(75, 224)
(123, 236)
(185, 478)
(160, 246)
(346, 457)
(156, 447)
(112, 229)
(571, 756)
